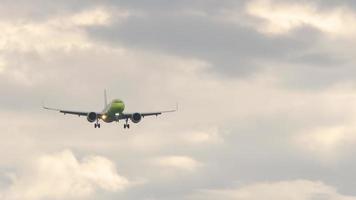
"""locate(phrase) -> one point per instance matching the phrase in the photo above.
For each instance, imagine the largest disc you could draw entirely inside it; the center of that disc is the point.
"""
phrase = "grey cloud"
(232, 49)
(39, 10)
(327, 4)
(167, 6)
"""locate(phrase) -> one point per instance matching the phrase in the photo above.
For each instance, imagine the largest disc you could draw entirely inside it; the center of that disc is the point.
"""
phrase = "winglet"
(48, 108)
(43, 105)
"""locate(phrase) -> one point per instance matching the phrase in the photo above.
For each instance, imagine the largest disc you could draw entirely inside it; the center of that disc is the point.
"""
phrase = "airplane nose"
(121, 105)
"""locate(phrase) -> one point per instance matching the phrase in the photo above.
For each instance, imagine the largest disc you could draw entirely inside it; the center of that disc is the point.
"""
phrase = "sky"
(266, 92)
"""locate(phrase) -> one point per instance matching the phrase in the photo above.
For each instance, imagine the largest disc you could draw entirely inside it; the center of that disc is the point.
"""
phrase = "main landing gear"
(126, 125)
(97, 125)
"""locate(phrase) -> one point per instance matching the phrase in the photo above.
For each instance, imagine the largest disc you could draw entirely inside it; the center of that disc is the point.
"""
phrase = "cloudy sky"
(266, 88)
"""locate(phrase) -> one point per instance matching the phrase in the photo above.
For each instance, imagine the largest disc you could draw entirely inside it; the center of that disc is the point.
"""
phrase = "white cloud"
(62, 176)
(97, 16)
(56, 35)
(100, 16)
(328, 143)
(178, 163)
(290, 190)
(57, 32)
(191, 138)
(281, 17)
(211, 136)
(39, 37)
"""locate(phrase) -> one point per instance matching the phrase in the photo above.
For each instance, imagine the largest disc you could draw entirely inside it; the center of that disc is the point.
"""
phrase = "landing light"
(104, 117)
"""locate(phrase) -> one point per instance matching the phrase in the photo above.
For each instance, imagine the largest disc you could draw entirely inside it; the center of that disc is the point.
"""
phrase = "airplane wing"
(129, 115)
(145, 114)
(156, 113)
(67, 111)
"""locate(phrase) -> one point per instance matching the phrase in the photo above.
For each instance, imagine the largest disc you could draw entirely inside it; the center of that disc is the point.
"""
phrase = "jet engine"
(136, 117)
(92, 117)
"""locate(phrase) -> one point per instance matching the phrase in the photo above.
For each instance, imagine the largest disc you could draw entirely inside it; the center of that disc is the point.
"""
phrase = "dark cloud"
(231, 49)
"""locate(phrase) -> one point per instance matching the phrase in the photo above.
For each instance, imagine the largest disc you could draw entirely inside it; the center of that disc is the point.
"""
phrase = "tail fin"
(105, 99)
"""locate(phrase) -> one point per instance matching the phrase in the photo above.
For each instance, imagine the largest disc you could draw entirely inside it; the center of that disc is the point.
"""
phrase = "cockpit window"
(117, 101)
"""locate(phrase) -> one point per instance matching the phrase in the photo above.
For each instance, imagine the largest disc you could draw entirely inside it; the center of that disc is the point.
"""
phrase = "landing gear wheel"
(97, 125)
(126, 126)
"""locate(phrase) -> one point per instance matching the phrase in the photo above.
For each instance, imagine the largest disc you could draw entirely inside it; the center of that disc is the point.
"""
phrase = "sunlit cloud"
(327, 143)
(63, 32)
(280, 18)
(63, 176)
(92, 17)
(177, 162)
(212, 136)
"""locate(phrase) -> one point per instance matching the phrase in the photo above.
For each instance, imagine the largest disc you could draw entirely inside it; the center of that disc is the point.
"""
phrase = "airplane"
(113, 112)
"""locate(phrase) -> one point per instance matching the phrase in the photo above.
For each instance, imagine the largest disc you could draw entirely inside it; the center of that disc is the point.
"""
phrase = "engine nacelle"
(92, 117)
(136, 117)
